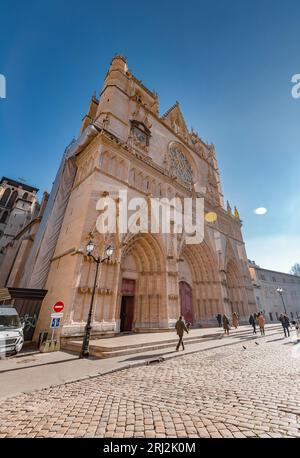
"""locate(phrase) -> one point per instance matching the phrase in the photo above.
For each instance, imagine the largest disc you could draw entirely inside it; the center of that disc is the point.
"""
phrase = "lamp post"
(280, 291)
(87, 332)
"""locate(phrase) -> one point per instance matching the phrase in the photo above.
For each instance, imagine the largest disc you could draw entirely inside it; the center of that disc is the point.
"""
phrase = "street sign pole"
(57, 309)
(55, 322)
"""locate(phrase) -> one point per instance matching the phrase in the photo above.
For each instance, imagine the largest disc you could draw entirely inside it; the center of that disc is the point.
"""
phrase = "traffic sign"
(57, 315)
(58, 306)
(55, 323)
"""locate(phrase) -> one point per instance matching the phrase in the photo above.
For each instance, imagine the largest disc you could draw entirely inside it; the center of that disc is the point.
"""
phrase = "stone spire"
(228, 209)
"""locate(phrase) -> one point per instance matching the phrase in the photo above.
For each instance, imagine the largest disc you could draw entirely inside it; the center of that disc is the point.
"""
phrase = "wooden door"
(186, 301)
(126, 313)
(127, 304)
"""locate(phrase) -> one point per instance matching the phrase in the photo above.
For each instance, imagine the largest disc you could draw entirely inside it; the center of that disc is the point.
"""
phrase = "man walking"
(180, 328)
(285, 324)
(252, 321)
(219, 319)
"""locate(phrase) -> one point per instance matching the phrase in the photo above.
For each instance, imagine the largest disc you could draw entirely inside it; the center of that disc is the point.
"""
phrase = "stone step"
(107, 351)
(145, 345)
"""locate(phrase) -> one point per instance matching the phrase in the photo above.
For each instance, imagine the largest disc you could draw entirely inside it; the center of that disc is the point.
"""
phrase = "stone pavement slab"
(24, 374)
(224, 391)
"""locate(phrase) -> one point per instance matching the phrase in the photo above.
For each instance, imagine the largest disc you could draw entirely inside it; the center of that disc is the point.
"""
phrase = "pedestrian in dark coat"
(252, 321)
(219, 319)
(180, 329)
(226, 324)
(285, 324)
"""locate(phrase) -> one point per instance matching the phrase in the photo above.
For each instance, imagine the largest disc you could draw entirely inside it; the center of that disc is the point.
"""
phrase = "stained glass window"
(181, 165)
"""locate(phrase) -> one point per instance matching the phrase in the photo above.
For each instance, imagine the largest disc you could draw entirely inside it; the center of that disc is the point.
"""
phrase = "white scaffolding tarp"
(38, 263)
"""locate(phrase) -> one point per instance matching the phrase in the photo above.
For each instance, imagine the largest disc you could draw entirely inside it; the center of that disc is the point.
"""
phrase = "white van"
(11, 331)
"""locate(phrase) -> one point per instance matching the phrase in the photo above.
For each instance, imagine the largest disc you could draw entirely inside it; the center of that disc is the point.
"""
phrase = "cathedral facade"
(152, 278)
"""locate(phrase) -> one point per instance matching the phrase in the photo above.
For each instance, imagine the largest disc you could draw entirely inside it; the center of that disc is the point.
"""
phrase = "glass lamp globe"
(90, 247)
(109, 251)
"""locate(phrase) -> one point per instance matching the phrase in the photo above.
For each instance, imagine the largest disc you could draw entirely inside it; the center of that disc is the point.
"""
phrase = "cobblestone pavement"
(226, 392)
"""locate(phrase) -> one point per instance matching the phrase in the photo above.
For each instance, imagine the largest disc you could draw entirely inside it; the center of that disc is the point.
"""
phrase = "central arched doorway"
(142, 291)
(186, 301)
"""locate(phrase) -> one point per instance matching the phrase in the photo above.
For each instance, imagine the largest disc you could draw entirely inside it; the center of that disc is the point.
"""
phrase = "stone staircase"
(123, 345)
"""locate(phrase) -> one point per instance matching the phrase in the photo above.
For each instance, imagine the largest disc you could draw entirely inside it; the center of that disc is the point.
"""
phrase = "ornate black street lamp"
(87, 332)
(280, 291)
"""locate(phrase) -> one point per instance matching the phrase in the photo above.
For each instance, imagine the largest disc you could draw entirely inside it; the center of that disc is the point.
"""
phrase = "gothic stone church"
(152, 278)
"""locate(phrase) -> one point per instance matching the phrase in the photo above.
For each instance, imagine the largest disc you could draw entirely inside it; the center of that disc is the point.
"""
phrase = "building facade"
(152, 278)
(16, 249)
(268, 299)
(18, 202)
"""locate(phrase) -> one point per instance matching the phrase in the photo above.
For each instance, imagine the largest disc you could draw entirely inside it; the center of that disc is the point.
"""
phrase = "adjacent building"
(269, 298)
(16, 249)
(18, 202)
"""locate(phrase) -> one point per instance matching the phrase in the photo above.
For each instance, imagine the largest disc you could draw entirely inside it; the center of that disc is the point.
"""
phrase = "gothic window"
(4, 217)
(25, 196)
(5, 196)
(12, 199)
(140, 132)
(181, 165)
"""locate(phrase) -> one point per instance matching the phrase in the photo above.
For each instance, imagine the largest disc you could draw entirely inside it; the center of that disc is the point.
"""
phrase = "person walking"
(180, 329)
(261, 323)
(219, 319)
(297, 327)
(226, 324)
(235, 320)
(285, 324)
(252, 321)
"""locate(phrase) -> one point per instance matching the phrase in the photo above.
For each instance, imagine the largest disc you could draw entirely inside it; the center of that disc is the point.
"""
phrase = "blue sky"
(228, 62)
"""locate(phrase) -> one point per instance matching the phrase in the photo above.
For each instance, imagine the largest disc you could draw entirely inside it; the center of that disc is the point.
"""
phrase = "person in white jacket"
(297, 327)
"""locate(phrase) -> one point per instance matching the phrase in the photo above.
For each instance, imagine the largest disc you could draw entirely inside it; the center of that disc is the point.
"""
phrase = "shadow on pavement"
(275, 340)
(38, 365)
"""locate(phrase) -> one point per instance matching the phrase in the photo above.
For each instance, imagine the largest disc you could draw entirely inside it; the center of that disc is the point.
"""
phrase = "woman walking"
(226, 324)
(261, 323)
(235, 320)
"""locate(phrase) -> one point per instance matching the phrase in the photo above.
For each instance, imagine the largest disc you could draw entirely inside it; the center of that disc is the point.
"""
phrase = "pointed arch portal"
(142, 284)
(201, 299)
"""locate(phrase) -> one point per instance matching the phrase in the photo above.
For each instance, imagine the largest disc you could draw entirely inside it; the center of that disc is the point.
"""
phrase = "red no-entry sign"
(58, 306)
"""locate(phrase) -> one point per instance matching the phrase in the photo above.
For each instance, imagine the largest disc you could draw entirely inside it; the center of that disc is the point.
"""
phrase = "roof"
(256, 267)
(176, 104)
(17, 184)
